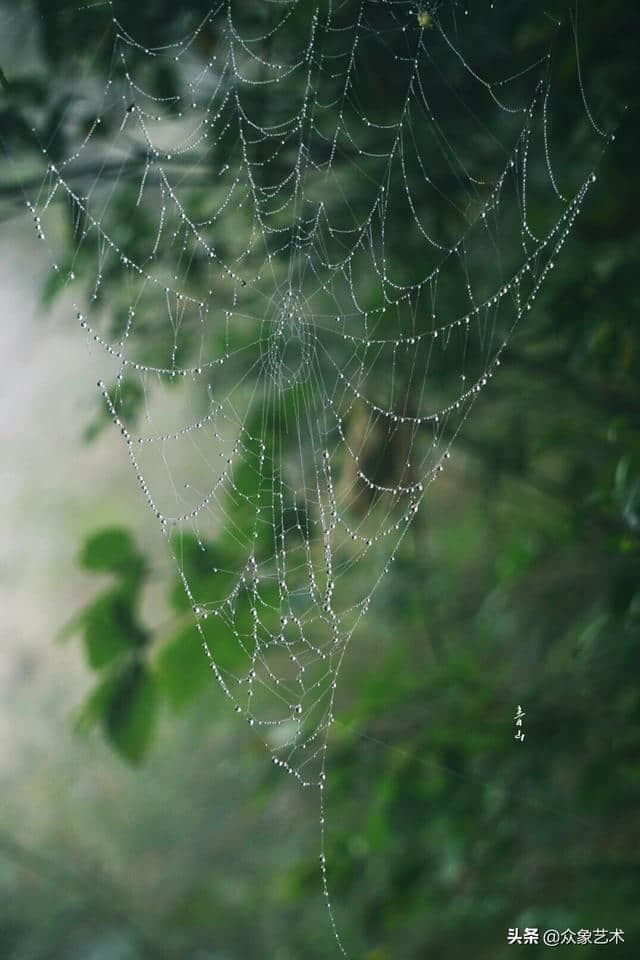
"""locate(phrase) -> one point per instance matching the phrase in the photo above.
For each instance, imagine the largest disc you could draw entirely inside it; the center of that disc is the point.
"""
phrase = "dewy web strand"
(334, 279)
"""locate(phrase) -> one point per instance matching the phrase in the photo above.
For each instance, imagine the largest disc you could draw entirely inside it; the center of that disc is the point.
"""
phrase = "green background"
(518, 584)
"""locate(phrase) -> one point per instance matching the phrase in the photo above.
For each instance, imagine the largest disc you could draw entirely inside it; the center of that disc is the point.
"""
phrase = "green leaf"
(55, 283)
(111, 627)
(93, 709)
(125, 705)
(112, 550)
(130, 712)
(182, 668)
(128, 397)
(208, 568)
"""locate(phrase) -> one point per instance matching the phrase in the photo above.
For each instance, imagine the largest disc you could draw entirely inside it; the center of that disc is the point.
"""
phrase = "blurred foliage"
(519, 585)
(115, 641)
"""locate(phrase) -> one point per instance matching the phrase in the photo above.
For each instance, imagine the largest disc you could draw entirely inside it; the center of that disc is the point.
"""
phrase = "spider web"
(333, 262)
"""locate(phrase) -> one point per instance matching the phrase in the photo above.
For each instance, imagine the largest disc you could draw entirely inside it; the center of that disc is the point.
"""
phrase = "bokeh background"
(153, 825)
